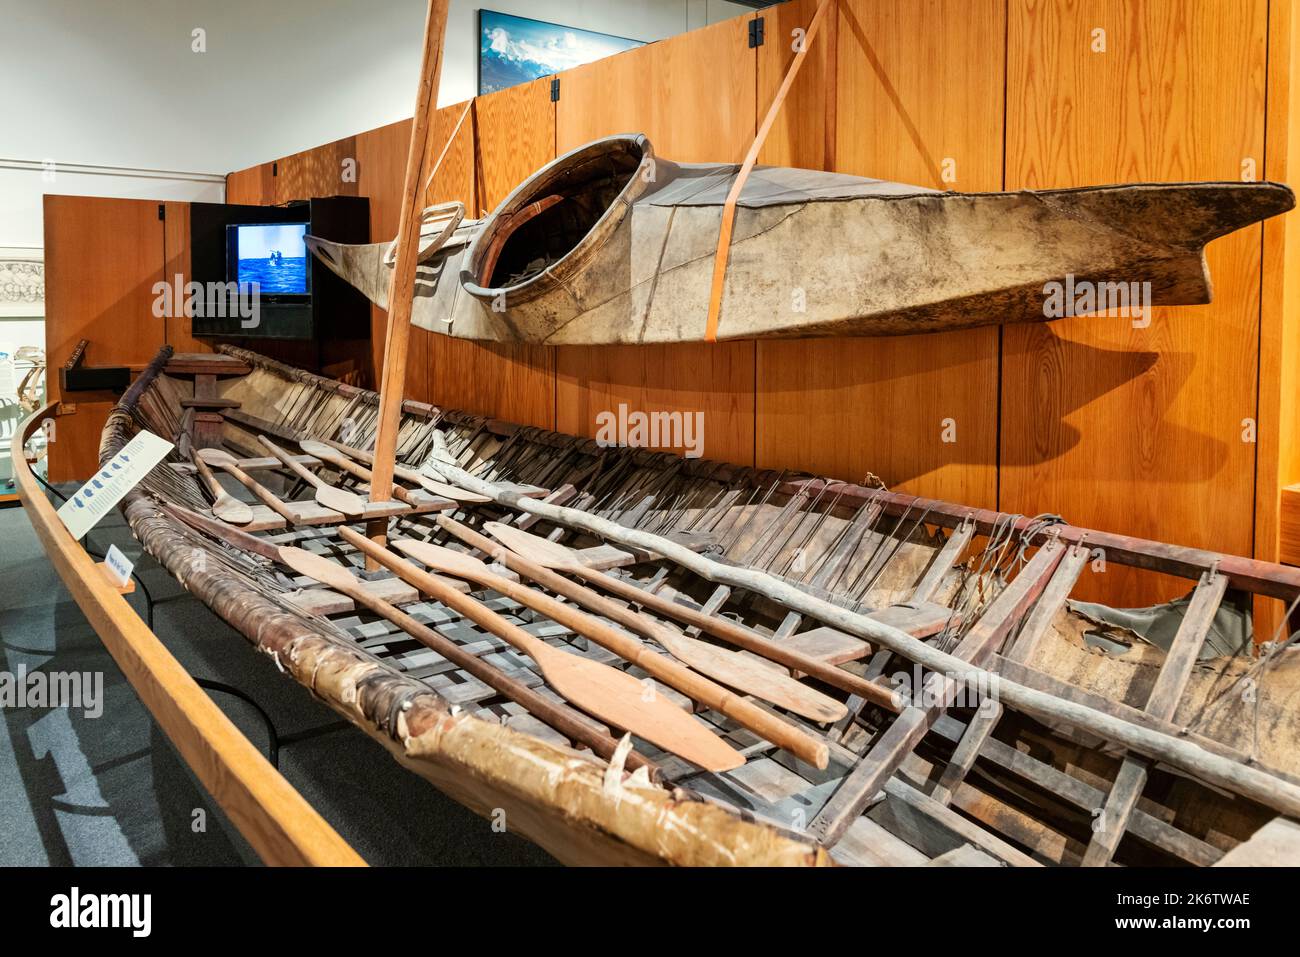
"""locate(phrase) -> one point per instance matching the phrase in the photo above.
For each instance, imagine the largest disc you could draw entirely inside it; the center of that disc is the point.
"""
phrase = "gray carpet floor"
(111, 790)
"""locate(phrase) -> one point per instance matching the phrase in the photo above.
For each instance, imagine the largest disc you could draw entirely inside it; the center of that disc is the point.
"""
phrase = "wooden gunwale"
(275, 819)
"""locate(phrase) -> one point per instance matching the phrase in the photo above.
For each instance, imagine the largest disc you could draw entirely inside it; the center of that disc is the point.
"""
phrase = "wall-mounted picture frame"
(22, 282)
(516, 50)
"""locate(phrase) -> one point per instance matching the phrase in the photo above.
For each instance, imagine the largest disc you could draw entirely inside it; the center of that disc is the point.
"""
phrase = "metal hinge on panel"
(756, 32)
(162, 212)
(555, 89)
(275, 169)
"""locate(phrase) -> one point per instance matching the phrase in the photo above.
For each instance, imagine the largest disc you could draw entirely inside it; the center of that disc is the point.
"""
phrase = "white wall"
(117, 84)
(113, 93)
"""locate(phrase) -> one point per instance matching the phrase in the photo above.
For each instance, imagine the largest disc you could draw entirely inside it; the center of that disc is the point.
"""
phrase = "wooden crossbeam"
(924, 592)
(944, 562)
(839, 555)
(902, 737)
(1171, 682)
(1082, 795)
(987, 715)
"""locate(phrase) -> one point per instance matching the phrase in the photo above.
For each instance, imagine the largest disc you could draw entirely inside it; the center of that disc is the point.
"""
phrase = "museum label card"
(114, 479)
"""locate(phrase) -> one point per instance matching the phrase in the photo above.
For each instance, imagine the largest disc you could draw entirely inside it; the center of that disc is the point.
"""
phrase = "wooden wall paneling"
(1278, 456)
(254, 186)
(516, 137)
(798, 135)
(1138, 430)
(455, 181)
(322, 171)
(332, 169)
(694, 97)
(916, 85)
(176, 251)
(508, 138)
(102, 259)
(381, 165)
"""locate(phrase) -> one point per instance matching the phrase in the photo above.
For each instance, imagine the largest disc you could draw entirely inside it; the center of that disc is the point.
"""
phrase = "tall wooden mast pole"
(402, 287)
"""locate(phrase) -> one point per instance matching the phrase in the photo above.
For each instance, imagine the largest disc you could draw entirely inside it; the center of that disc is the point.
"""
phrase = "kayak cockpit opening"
(550, 215)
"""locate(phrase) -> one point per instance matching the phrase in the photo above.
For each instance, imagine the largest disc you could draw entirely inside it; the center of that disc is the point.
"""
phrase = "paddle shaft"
(738, 635)
(597, 688)
(209, 479)
(696, 686)
(223, 531)
(261, 492)
(409, 475)
(559, 716)
(347, 465)
(365, 458)
(305, 474)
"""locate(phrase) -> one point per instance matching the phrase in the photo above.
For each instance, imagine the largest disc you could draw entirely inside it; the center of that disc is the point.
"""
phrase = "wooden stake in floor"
(402, 288)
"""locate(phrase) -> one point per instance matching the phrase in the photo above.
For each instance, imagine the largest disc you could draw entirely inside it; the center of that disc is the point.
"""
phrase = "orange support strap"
(729, 207)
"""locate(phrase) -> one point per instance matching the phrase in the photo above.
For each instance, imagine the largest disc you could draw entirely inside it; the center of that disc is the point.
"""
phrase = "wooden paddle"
(571, 724)
(224, 460)
(349, 503)
(222, 532)
(761, 722)
(745, 673)
(598, 689)
(414, 477)
(340, 461)
(552, 555)
(224, 505)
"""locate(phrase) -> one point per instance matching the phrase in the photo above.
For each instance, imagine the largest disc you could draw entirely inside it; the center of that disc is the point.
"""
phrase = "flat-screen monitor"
(273, 255)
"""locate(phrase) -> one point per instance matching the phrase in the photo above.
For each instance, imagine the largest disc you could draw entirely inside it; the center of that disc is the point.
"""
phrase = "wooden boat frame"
(586, 809)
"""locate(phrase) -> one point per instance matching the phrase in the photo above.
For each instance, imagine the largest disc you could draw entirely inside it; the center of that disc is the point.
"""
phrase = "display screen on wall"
(516, 49)
(273, 255)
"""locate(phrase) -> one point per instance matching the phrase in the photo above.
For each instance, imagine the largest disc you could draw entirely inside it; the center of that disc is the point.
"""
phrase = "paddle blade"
(216, 457)
(447, 491)
(232, 510)
(318, 450)
(318, 567)
(755, 676)
(349, 503)
(441, 559)
(532, 547)
(637, 706)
